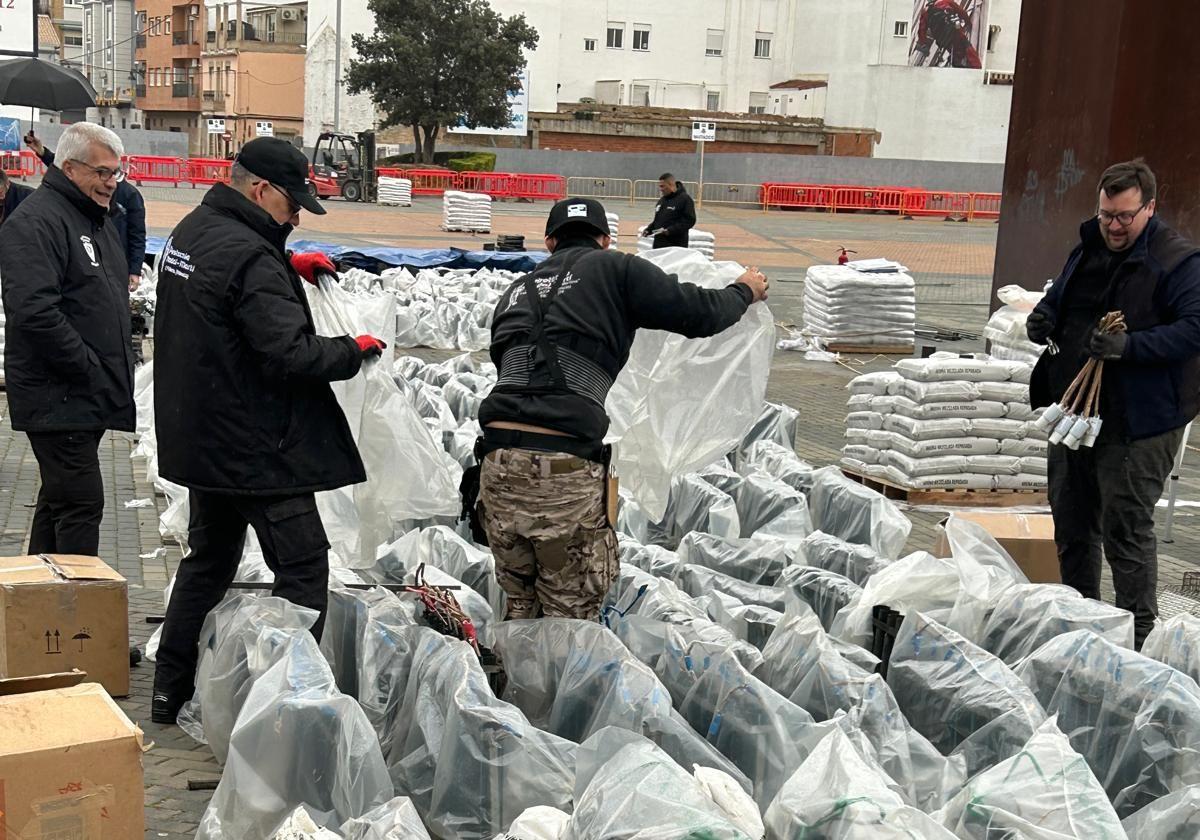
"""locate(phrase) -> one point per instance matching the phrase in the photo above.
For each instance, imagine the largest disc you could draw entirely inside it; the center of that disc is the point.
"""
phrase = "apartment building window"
(715, 43)
(714, 100)
(641, 37)
(166, 26)
(993, 34)
(109, 57)
(73, 40)
(900, 30)
(589, 44)
(762, 45)
(616, 36)
(758, 103)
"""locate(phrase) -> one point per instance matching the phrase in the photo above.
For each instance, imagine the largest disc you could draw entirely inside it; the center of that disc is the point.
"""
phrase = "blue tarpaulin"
(377, 259)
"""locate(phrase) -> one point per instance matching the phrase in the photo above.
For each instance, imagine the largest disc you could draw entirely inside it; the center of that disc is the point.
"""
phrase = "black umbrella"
(41, 84)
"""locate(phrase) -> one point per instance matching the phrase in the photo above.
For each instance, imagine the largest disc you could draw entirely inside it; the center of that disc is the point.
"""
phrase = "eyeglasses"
(1124, 219)
(293, 206)
(103, 172)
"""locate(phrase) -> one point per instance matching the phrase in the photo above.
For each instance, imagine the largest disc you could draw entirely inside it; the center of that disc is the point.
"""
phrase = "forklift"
(343, 165)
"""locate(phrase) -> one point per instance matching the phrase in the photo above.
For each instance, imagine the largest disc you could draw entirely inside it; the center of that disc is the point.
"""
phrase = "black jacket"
(129, 218)
(1158, 289)
(595, 301)
(242, 402)
(13, 198)
(67, 362)
(677, 214)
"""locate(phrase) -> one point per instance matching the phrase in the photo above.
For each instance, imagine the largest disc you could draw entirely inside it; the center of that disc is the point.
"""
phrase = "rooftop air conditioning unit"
(289, 14)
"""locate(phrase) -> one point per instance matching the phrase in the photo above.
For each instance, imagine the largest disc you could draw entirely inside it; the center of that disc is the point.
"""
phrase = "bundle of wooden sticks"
(1075, 419)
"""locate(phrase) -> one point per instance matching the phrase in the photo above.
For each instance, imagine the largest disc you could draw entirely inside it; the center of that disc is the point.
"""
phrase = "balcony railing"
(183, 90)
(287, 38)
(139, 90)
(183, 39)
(141, 41)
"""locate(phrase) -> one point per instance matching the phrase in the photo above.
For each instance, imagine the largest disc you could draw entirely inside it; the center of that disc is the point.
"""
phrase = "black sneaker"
(164, 710)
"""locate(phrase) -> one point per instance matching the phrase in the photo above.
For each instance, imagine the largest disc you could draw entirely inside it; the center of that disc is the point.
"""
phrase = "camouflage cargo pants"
(544, 515)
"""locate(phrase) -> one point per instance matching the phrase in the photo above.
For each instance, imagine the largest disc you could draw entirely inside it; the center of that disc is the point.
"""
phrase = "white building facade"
(107, 61)
(850, 58)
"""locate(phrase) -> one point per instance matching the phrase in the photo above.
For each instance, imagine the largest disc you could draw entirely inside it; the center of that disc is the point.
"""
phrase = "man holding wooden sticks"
(1102, 496)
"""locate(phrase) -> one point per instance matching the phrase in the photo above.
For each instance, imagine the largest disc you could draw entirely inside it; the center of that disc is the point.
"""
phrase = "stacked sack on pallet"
(466, 211)
(1005, 330)
(698, 240)
(844, 305)
(946, 422)
(395, 192)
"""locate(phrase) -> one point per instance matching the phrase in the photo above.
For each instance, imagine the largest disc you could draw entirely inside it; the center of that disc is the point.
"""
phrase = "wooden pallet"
(871, 349)
(958, 498)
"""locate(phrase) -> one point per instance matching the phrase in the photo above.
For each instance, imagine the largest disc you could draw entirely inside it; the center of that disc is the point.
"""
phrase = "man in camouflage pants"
(560, 336)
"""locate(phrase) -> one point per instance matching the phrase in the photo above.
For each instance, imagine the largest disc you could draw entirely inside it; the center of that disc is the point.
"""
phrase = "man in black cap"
(674, 215)
(560, 336)
(243, 411)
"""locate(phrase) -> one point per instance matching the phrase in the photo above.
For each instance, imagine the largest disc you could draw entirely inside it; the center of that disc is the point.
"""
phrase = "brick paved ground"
(952, 263)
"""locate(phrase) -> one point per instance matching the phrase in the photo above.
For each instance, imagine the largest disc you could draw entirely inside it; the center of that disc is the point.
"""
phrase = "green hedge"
(457, 161)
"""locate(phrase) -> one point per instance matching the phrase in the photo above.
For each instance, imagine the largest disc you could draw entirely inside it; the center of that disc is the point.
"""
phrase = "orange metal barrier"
(535, 186)
(390, 172)
(208, 171)
(22, 164)
(870, 199)
(819, 196)
(985, 205)
(495, 184)
(156, 170)
(929, 203)
(433, 181)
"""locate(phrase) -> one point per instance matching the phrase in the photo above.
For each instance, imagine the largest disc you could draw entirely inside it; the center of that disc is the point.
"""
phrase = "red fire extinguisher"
(844, 256)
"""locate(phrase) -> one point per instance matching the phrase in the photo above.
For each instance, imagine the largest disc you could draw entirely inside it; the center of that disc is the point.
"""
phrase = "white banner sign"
(704, 132)
(264, 129)
(518, 101)
(18, 27)
(216, 126)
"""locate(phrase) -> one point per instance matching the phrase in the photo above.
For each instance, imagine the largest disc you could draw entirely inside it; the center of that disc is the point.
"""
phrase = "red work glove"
(312, 264)
(370, 346)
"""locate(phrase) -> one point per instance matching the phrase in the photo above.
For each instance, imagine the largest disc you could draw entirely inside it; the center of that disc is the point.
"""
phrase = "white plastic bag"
(665, 421)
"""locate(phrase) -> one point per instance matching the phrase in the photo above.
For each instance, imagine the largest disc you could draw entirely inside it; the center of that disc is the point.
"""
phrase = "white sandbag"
(922, 467)
(994, 464)
(664, 420)
(1000, 428)
(943, 428)
(862, 454)
(1004, 392)
(883, 439)
(1021, 481)
(875, 384)
(936, 410)
(948, 481)
(937, 392)
(1028, 447)
(1019, 411)
(943, 366)
(864, 420)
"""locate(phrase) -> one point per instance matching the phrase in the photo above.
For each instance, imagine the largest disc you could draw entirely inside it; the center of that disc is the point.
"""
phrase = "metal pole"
(700, 198)
(337, 68)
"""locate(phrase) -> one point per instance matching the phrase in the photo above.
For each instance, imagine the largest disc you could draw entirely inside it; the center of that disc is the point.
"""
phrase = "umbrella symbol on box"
(81, 635)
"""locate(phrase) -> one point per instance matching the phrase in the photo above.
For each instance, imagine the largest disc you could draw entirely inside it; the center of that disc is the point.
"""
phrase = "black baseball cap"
(278, 161)
(582, 211)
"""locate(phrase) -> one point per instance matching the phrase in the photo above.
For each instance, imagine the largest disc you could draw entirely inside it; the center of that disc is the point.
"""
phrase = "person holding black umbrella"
(68, 362)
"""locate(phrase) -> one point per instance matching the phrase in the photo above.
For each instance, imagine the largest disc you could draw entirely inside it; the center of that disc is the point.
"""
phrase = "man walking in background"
(674, 215)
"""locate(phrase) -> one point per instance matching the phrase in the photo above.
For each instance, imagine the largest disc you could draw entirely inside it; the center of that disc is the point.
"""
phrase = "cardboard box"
(1027, 537)
(70, 767)
(60, 611)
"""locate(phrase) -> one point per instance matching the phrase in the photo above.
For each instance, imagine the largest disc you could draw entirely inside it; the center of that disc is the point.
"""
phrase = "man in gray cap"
(243, 410)
(560, 336)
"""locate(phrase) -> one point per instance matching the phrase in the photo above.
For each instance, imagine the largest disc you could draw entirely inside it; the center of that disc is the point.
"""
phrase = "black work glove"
(1039, 327)
(1109, 347)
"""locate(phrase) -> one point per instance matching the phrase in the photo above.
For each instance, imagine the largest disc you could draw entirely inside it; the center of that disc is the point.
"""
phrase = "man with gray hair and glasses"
(1103, 497)
(68, 363)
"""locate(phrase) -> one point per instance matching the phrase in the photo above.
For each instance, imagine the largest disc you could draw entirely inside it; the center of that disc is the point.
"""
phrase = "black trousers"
(1102, 500)
(70, 503)
(294, 547)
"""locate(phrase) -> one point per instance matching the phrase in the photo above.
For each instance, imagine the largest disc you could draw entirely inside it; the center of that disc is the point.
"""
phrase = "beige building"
(251, 76)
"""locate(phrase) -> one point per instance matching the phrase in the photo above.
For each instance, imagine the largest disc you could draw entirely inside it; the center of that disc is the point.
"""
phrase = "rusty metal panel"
(1097, 82)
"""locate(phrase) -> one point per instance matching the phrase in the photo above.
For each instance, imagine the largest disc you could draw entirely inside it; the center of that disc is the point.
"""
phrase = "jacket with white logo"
(68, 363)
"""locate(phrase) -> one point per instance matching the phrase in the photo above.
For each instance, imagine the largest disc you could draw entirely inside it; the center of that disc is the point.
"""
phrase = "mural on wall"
(948, 33)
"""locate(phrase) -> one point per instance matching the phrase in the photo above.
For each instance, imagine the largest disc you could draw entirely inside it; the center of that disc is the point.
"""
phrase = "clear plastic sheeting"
(664, 420)
(1026, 616)
(916, 582)
(776, 422)
(856, 562)
(1175, 816)
(751, 623)
(408, 475)
(953, 691)
(1135, 720)
(446, 550)
(856, 513)
(471, 763)
(777, 461)
(985, 572)
(754, 560)
(764, 502)
(655, 559)
(395, 819)
(297, 741)
(763, 733)
(1175, 641)
(574, 678)
(828, 593)
(1044, 792)
(626, 787)
(241, 637)
(350, 621)
(696, 505)
(825, 678)
(697, 581)
(838, 794)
